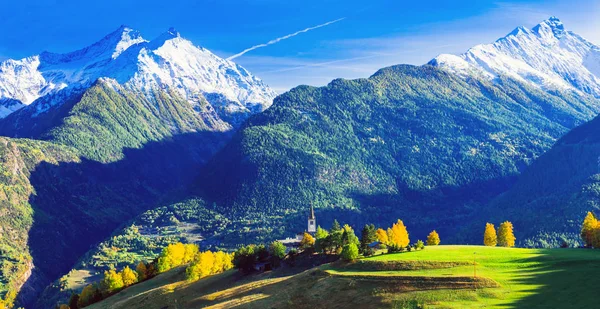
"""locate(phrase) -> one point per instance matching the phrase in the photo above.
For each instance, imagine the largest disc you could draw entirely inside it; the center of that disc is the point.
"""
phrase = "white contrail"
(271, 42)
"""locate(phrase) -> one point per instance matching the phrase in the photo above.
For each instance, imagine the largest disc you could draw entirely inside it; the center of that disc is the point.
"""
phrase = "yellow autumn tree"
(171, 256)
(390, 235)
(202, 266)
(142, 271)
(129, 276)
(63, 306)
(381, 236)
(307, 241)
(433, 239)
(506, 236)
(112, 281)
(190, 252)
(398, 235)
(587, 229)
(489, 236)
(228, 262)
(596, 235)
(219, 261)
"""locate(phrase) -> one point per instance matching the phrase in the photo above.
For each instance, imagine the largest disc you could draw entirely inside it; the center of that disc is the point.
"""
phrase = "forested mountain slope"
(139, 118)
(412, 142)
(18, 161)
(551, 198)
(143, 154)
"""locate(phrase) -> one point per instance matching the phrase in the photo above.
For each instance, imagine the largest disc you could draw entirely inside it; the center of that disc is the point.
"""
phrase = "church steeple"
(312, 220)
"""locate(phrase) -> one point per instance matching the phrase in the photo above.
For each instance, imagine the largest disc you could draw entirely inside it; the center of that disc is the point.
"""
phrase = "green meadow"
(526, 278)
(436, 277)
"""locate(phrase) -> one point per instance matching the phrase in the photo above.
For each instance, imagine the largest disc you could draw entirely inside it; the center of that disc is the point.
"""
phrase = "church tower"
(312, 221)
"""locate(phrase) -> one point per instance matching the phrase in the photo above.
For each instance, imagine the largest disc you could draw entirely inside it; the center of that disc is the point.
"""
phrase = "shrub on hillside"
(350, 252)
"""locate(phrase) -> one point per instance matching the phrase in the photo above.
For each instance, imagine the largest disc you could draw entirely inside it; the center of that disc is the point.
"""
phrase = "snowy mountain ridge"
(167, 62)
(547, 56)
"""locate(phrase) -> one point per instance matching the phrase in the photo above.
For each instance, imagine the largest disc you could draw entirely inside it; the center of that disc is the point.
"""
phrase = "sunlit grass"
(437, 277)
(528, 278)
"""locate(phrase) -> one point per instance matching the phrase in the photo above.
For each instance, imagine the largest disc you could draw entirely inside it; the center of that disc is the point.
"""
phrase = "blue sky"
(371, 35)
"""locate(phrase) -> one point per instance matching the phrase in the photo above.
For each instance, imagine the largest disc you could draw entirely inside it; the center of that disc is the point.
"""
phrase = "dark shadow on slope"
(444, 209)
(563, 278)
(79, 204)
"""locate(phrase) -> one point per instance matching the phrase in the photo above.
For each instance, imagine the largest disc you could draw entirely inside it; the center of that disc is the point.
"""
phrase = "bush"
(419, 245)
(245, 258)
(350, 252)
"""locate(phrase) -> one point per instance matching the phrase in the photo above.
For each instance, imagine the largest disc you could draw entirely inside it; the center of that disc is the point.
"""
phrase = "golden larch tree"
(307, 241)
(190, 252)
(596, 235)
(171, 256)
(112, 281)
(382, 236)
(506, 236)
(433, 239)
(390, 236)
(489, 236)
(587, 229)
(399, 234)
(129, 276)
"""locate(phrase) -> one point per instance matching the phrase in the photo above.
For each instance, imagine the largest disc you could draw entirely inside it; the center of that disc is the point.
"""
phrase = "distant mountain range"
(101, 135)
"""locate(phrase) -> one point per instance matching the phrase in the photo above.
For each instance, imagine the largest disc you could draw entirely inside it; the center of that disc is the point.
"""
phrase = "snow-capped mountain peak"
(547, 56)
(168, 61)
(551, 25)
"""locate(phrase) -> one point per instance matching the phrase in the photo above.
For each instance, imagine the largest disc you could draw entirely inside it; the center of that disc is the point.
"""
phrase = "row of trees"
(395, 238)
(343, 241)
(505, 236)
(112, 282)
(209, 263)
(247, 257)
(201, 264)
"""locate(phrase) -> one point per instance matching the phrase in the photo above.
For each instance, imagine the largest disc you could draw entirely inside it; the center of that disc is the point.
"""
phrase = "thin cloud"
(277, 40)
(321, 64)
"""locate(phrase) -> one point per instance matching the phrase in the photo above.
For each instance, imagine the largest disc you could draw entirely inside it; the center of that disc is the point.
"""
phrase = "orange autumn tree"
(489, 236)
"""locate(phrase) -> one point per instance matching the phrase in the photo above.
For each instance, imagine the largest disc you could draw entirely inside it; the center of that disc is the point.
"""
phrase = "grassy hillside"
(144, 237)
(407, 140)
(437, 277)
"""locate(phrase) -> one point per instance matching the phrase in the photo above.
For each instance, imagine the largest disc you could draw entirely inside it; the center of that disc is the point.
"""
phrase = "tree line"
(504, 237)
(200, 265)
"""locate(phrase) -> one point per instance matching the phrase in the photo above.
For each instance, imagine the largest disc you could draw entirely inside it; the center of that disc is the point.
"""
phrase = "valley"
(112, 152)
